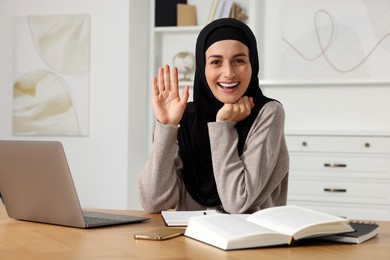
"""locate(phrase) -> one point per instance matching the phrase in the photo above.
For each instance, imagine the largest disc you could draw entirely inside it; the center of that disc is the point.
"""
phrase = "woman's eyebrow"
(240, 54)
(214, 56)
(220, 56)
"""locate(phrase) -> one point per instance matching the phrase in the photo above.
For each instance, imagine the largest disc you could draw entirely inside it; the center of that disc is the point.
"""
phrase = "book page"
(291, 219)
(228, 232)
(233, 227)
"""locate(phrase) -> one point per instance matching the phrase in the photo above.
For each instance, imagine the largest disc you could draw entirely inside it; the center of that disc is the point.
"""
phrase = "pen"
(221, 210)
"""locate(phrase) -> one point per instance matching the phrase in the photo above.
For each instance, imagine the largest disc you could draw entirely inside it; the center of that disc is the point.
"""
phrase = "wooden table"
(26, 240)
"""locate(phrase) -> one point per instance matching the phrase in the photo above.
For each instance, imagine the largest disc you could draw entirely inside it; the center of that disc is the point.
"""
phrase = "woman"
(227, 147)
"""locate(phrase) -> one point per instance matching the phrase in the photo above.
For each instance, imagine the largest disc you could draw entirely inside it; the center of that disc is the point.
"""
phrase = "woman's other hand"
(237, 111)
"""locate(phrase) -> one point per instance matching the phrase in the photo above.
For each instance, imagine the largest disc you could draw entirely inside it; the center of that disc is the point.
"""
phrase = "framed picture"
(327, 41)
(51, 75)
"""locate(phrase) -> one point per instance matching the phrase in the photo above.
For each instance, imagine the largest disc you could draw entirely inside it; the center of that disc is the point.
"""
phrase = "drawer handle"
(335, 165)
(334, 190)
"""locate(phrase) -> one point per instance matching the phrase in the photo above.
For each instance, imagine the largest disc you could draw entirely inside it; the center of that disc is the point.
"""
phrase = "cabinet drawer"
(347, 144)
(332, 191)
(339, 165)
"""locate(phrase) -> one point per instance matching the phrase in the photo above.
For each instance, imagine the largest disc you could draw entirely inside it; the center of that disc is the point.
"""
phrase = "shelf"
(177, 29)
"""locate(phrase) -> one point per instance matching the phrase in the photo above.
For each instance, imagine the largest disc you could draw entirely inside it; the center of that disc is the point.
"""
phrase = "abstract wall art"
(335, 40)
(51, 75)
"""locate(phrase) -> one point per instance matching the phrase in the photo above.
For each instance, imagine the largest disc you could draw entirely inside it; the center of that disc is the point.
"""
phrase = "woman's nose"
(228, 72)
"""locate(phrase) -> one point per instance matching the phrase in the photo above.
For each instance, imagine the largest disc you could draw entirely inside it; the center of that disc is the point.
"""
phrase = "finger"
(252, 103)
(175, 80)
(240, 105)
(161, 79)
(185, 94)
(229, 108)
(167, 77)
(155, 89)
(247, 103)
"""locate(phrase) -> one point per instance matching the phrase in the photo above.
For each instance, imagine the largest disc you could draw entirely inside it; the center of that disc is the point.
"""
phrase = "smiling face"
(228, 70)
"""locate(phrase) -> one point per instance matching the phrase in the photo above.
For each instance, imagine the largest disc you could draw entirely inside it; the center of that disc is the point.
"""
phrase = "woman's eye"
(215, 62)
(239, 61)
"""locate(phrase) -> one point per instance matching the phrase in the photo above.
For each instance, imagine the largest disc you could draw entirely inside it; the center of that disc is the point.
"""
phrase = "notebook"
(36, 185)
(364, 230)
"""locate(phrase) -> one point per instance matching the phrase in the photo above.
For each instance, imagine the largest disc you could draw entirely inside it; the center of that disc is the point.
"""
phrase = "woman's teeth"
(228, 85)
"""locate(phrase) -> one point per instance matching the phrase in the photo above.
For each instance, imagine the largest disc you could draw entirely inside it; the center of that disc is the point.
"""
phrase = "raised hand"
(167, 105)
(237, 111)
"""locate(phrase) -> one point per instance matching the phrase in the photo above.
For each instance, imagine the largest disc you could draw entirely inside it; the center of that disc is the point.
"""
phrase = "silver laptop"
(36, 185)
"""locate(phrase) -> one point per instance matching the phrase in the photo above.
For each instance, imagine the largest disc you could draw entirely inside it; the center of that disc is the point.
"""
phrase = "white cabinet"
(343, 175)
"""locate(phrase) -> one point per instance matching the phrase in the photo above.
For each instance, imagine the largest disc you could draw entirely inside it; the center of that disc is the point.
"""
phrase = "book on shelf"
(226, 10)
(220, 9)
(166, 12)
(275, 226)
(186, 15)
(173, 218)
(212, 11)
(363, 231)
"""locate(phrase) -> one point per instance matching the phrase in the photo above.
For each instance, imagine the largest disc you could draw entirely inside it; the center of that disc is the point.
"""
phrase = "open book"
(268, 227)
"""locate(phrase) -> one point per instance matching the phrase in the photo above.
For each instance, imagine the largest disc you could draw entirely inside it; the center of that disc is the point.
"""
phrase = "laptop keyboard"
(95, 220)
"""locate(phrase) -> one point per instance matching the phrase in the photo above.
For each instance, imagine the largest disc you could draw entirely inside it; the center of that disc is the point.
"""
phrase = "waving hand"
(167, 105)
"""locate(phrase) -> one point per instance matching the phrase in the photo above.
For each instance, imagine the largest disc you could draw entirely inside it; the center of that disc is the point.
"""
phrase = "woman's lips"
(228, 87)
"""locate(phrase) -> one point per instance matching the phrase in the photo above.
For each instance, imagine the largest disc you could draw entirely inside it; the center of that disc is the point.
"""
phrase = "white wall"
(139, 106)
(104, 164)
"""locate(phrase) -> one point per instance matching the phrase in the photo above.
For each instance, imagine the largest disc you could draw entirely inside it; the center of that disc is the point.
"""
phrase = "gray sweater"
(256, 180)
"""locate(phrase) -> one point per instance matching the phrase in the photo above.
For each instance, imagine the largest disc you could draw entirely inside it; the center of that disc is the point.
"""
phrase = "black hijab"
(193, 137)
